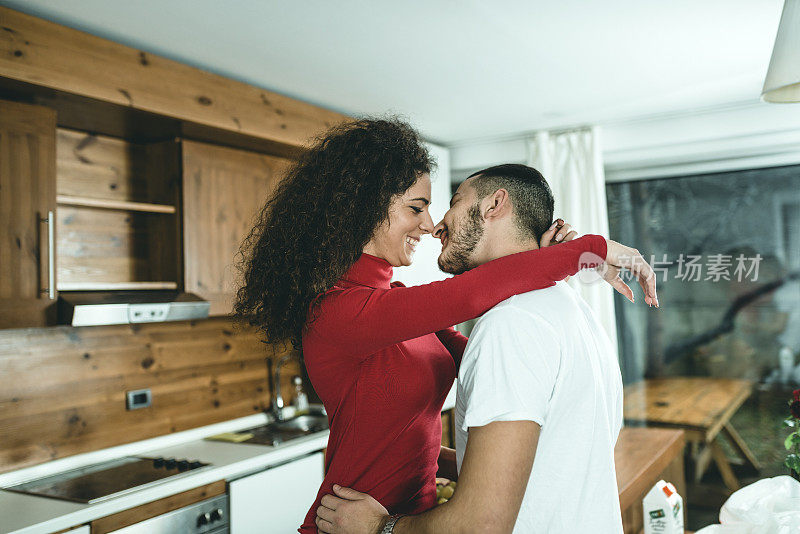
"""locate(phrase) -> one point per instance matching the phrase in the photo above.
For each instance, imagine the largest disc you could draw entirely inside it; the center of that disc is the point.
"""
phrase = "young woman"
(382, 357)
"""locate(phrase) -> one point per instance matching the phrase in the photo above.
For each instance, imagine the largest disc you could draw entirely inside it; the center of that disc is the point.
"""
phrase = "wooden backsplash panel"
(63, 389)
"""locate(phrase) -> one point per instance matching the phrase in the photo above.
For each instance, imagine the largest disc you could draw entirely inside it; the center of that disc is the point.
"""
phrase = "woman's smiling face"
(396, 239)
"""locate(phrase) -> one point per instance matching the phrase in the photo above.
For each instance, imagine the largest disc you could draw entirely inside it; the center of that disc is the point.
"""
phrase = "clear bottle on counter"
(786, 364)
(300, 397)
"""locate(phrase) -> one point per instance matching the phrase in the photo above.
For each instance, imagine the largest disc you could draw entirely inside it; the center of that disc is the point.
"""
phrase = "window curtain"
(572, 164)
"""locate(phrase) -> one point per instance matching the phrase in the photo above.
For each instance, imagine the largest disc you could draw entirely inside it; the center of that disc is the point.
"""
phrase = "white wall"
(748, 135)
(425, 269)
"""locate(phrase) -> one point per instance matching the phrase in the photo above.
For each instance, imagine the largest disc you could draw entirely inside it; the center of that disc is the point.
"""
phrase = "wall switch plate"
(139, 398)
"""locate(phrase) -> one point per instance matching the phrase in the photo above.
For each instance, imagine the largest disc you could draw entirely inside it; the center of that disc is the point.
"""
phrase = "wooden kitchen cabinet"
(27, 196)
(131, 215)
(118, 213)
(163, 215)
(115, 215)
(121, 222)
(223, 191)
(277, 500)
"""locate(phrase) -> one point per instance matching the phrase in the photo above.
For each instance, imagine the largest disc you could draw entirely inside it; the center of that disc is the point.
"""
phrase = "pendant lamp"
(782, 83)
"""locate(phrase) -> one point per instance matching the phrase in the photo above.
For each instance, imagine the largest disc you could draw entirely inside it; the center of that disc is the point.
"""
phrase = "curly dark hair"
(320, 217)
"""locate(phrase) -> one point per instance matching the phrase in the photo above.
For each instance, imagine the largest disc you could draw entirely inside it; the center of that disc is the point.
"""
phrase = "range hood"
(90, 308)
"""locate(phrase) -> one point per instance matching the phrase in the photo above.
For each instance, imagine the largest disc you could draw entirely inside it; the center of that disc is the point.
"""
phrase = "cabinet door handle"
(51, 260)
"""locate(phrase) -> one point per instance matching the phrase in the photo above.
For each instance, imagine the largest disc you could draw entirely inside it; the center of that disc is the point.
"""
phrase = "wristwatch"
(388, 528)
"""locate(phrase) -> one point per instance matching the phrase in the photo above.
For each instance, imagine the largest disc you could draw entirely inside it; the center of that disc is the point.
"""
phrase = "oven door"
(205, 517)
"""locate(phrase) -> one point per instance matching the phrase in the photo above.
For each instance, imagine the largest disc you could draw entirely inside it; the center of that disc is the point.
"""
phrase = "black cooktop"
(108, 479)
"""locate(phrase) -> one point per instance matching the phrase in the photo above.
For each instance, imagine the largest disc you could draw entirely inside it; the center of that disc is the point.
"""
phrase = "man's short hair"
(529, 192)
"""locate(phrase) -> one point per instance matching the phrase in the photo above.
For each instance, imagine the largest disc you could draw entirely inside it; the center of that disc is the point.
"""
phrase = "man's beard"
(462, 242)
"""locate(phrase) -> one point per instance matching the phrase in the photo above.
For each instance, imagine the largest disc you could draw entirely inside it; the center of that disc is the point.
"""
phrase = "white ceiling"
(459, 70)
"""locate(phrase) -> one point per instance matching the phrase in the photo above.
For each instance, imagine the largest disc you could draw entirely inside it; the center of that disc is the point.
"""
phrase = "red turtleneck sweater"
(382, 357)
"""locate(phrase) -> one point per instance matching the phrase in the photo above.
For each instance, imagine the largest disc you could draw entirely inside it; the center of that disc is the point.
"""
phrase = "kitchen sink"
(304, 423)
(278, 432)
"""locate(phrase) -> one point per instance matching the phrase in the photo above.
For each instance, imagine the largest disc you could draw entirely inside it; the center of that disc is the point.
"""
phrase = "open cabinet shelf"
(118, 215)
(67, 200)
(114, 286)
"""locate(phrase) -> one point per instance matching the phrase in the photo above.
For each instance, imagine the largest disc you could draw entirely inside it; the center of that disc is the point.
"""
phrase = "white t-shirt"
(543, 356)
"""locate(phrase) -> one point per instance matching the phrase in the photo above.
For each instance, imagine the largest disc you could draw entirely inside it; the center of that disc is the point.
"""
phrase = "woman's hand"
(559, 232)
(619, 256)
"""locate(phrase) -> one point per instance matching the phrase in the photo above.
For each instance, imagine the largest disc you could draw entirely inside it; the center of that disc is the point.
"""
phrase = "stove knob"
(217, 514)
(195, 465)
(183, 465)
(203, 519)
(170, 463)
(158, 462)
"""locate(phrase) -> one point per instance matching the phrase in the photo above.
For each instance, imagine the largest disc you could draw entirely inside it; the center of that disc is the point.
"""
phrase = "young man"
(539, 403)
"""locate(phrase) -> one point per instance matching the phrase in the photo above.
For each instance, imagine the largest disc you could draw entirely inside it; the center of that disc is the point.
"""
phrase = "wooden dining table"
(702, 408)
(642, 457)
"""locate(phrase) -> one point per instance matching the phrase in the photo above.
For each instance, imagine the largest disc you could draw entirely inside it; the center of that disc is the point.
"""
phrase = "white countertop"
(29, 514)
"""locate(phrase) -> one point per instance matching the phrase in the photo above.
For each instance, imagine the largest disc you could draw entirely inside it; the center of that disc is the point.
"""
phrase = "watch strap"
(388, 527)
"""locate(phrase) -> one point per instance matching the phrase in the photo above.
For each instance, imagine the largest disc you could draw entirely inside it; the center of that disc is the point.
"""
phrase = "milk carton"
(663, 510)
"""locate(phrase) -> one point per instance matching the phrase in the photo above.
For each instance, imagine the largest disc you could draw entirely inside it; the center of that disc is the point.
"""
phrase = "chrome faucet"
(277, 401)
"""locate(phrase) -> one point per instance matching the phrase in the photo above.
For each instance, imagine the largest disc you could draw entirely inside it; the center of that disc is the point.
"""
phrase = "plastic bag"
(769, 506)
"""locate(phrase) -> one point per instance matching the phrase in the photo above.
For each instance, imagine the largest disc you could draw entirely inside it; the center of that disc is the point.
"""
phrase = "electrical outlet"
(139, 398)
